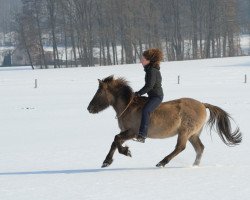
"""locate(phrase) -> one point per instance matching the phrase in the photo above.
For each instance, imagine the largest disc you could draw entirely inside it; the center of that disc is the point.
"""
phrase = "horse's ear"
(100, 81)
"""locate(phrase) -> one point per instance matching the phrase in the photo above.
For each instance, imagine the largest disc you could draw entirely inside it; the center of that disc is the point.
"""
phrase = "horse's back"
(187, 108)
(171, 116)
(184, 105)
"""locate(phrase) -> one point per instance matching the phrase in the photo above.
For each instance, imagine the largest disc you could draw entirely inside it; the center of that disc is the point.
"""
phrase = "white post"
(35, 83)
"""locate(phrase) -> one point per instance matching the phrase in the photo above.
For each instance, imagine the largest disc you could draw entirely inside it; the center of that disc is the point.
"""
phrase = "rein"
(117, 117)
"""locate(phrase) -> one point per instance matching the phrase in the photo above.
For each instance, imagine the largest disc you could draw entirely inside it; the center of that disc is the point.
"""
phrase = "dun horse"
(184, 117)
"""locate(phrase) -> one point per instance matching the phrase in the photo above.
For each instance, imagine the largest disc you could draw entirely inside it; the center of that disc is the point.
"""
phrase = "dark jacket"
(152, 82)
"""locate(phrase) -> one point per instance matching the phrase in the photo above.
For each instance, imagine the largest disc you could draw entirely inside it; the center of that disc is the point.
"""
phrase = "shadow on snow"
(81, 171)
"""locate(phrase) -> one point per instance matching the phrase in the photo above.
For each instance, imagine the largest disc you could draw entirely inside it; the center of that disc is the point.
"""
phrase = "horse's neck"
(120, 105)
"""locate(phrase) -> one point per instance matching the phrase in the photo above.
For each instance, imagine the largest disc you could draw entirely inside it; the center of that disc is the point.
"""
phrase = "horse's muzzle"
(91, 109)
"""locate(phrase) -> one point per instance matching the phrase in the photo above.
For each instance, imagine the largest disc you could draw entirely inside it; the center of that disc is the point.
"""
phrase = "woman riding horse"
(184, 117)
(151, 62)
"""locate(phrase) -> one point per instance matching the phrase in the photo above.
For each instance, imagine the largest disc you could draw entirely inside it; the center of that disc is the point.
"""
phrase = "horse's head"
(103, 96)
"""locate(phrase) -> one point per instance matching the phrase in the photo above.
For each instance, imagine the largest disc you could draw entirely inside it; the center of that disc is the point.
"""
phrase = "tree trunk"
(40, 34)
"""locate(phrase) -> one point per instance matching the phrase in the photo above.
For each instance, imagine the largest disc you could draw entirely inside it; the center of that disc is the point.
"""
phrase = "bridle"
(118, 116)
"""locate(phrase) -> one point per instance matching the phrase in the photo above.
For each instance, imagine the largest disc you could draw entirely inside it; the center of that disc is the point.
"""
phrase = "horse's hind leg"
(198, 147)
(117, 143)
(180, 146)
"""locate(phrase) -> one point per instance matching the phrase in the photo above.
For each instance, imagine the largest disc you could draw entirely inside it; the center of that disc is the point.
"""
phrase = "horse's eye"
(100, 91)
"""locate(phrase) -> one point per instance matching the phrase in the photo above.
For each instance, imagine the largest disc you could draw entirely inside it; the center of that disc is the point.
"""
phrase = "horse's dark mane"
(121, 88)
(109, 79)
(119, 81)
(123, 83)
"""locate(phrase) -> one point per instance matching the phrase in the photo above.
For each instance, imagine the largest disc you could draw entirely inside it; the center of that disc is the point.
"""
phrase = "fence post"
(245, 78)
(35, 83)
(179, 79)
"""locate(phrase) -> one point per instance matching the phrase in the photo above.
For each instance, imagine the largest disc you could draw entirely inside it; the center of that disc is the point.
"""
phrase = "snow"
(52, 148)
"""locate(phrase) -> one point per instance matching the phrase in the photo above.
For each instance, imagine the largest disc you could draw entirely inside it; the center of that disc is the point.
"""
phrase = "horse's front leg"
(109, 158)
(117, 143)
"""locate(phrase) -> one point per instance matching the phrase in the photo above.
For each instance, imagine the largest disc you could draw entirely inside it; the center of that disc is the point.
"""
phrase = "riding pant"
(149, 107)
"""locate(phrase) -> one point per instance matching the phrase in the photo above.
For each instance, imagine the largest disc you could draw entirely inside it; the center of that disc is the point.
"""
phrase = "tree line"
(111, 32)
(7, 10)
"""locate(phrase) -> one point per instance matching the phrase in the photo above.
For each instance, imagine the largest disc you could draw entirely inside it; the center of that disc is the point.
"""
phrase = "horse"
(184, 117)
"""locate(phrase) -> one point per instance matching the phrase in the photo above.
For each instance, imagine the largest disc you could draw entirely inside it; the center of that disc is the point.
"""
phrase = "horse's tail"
(221, 119)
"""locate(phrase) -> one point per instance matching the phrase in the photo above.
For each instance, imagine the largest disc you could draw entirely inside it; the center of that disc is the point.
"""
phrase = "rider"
(151, 62)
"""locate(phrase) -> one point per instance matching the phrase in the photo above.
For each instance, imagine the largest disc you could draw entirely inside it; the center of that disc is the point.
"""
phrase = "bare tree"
(22, 25)
(191, 29)
(51, 7)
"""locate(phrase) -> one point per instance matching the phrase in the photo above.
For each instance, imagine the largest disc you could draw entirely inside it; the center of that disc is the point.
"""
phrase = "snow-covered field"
(51, 148)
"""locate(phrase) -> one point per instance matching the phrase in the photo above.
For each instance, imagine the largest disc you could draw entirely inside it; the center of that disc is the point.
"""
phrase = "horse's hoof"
(105, 165)
(129, 153)
(160, 165)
